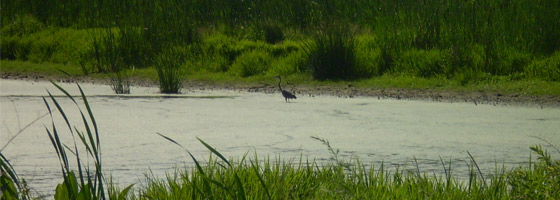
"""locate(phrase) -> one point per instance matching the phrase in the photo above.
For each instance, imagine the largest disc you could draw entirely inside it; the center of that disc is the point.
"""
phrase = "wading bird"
(287, 95)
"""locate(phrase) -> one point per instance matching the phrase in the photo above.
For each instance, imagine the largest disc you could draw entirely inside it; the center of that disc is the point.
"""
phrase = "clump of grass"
(251, 63)
(169, 69)
(120, 82)
(546, 69)
(22, 25)
(276, 179)
(422, 63)
(540, 181)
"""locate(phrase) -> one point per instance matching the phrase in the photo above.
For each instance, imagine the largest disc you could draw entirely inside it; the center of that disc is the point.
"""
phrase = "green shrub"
(546, 69)
(215, 63)
(369, 57)
(22, 25)
(477, 58)
(284, 48)
(250, 63)
(393, 42)
(71, 43)
(423, 63)
(43, 46)
(218, 44)
(295, 62)
(10, 45)
(512, 61)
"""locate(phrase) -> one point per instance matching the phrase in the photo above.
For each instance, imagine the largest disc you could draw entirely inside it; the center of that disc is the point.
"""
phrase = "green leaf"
(85, 193)
(124, 192)
(61, 192)
(214, 151)
(8, 188)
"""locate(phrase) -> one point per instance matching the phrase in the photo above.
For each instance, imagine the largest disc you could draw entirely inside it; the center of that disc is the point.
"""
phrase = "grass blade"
(64, 91)
(60, 110)
(261, 180)
(6, 167)
(478, 168)
(214, 151)
(240, 189)
(88, 108)
(197, 164)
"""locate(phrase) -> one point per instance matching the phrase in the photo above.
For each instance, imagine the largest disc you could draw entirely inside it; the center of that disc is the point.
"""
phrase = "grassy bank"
(386, 85)
(471, 45)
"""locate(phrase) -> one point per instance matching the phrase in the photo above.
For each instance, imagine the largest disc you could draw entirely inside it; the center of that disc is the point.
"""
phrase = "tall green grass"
(332, 53)
(253, 178)
(169, 67)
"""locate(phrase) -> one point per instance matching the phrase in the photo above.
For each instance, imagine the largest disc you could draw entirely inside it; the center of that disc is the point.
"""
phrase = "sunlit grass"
(251, 177)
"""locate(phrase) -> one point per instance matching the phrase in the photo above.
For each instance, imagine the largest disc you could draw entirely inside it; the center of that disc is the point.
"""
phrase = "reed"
(169, 67)
(251, 178)
(86, 183)
(12, 186)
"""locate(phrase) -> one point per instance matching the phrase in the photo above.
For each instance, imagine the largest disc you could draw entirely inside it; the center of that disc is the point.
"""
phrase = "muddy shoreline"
(346, 91)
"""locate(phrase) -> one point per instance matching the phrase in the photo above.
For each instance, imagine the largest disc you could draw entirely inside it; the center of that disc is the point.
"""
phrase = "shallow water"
(235, 123)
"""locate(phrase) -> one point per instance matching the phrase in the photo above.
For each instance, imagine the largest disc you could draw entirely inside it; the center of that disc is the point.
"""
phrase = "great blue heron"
(287, 95)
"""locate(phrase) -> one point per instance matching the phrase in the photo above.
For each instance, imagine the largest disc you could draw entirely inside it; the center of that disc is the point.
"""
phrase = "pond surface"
(236, 123)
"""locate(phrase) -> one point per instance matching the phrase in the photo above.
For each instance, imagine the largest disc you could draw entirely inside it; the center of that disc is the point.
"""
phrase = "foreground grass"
(276, 179)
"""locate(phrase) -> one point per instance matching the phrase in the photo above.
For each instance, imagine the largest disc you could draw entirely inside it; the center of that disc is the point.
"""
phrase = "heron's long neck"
(279, 81)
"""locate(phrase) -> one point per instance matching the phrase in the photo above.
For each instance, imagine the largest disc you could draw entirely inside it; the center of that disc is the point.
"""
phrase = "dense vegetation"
(467, 41)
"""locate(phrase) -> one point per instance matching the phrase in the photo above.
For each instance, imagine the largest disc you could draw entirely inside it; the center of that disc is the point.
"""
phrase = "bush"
(332, 54)
(43, 46)
(10, 45)
(546, 69)
(512, 61)
(255, 62)
(215, 63)
(22, 25)
(423, 63)
(283, 49)
(293, 63)
(369, 57)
